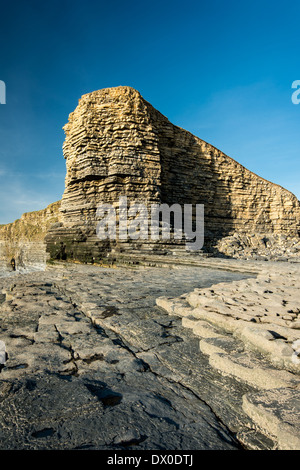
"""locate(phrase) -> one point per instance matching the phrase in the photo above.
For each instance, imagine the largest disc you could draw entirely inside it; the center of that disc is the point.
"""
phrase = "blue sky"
(221, 69)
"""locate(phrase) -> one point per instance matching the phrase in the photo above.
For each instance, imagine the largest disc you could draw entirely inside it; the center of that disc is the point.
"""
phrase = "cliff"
(23, 239)
(118, 144)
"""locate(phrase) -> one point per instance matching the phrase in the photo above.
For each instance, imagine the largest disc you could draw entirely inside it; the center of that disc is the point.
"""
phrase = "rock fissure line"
(127, 354)
(198, 397)
(121, 342)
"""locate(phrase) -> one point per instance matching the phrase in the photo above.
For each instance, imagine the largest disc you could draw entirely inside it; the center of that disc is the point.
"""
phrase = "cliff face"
(111, 148)
(23, 239)
(118, 144)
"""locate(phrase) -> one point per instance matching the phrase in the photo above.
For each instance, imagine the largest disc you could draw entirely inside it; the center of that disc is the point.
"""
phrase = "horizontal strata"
(23, 239)
(118, 144)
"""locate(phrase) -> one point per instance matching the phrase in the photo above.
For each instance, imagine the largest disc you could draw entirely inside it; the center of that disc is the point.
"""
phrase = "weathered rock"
(247, 330)
(276, 412)
(2, 353)
(93, 363)
(252, 371)
(117, 144)
(258, 246)
(23, 240)
(219, 345)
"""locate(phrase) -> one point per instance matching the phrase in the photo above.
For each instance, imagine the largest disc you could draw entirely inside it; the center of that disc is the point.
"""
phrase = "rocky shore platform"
(144, 357)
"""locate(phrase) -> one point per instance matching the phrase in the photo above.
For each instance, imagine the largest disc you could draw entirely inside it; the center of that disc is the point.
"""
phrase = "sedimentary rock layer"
(23, 239)
(118, 144)
(250, 330)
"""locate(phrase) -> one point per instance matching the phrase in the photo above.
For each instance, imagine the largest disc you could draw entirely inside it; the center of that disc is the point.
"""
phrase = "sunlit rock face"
(117, 144)
(22, 243)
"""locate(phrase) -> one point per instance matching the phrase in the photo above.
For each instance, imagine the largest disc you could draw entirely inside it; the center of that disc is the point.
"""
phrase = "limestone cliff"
(118, 144)
(23, 239)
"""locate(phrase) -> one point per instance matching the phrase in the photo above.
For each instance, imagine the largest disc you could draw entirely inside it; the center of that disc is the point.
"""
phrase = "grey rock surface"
(94, 363)
(248, 329)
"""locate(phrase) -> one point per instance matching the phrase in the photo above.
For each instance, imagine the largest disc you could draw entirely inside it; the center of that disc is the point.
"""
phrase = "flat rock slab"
(277, 411)
(93, 363)
(249, 331)
(221, 344)
(254, 372)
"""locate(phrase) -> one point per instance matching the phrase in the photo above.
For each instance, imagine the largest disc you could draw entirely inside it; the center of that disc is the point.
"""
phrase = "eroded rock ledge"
(250, 330)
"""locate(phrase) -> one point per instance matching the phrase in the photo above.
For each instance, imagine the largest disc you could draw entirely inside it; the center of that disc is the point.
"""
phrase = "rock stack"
(117, 144)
